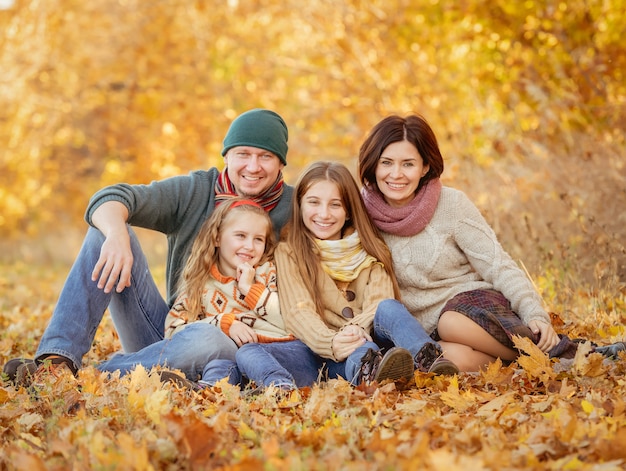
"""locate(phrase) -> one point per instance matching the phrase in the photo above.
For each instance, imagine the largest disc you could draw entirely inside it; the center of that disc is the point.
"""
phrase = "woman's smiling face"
(398, 173)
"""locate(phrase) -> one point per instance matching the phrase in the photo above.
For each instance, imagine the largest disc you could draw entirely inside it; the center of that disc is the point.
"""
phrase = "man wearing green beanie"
(111, 270)
(258, 128)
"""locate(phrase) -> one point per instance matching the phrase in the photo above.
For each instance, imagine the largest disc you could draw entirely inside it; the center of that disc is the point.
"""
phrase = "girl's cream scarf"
(344, 259)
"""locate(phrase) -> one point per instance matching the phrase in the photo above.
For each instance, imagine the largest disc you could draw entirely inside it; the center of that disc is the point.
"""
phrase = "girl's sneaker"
(395, 365)
(430, 360)
(178, 380)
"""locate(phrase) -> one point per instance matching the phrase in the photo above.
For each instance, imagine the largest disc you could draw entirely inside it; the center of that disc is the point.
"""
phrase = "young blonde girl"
(228, 283)
(337, 291)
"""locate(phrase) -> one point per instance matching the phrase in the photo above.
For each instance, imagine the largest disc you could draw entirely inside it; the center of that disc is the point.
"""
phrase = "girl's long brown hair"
(302, 242)
(205, 253)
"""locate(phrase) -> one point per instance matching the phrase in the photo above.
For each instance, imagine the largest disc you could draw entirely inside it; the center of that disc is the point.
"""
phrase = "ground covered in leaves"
(532, 414)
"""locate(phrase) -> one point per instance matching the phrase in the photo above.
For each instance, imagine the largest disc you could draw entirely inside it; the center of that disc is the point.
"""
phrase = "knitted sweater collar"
(408, 220)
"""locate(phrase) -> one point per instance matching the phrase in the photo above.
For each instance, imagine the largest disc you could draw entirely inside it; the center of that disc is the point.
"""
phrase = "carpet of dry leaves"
(533, 414)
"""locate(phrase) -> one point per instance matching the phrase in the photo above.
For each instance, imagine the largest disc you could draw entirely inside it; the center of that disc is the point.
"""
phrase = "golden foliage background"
(527, 99)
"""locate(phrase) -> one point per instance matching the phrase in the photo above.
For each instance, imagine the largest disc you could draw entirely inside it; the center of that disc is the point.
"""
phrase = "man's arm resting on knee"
(116, 257)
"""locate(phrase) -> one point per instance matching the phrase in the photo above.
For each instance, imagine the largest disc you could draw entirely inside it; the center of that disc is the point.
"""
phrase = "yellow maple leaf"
(21, 459)
(142, 386)
(132, 455)
(535, 362)
(496, 374)
(496, 405)
(30, 421)
(194, 438)
(587, 363)
(156, 404)
(453, 398)
(587, 406)
(246, 432)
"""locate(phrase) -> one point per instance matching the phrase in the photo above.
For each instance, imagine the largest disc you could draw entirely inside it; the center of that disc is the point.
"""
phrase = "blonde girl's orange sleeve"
(226, 321)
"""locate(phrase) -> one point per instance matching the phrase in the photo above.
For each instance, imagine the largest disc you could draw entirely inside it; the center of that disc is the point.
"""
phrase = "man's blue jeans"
(138, 314)
(189, 350)
(288, 364)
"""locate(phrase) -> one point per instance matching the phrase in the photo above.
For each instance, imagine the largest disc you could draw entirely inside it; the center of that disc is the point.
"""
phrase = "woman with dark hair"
(454, 276)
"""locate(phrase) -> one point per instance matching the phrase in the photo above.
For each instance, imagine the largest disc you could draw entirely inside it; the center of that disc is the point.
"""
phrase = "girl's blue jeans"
(288, 364)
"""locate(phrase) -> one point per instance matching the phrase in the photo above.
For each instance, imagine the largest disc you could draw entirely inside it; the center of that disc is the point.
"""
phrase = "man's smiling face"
(252, 170)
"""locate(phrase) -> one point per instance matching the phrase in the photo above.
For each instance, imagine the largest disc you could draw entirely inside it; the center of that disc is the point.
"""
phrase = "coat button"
(347, 312)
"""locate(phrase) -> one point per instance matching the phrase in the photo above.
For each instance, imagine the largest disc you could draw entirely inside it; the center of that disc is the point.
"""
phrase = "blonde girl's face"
(323, 211)
(398, 173)
(242, 240)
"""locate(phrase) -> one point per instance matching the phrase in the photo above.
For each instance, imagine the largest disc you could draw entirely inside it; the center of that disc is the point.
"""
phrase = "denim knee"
(219, 369)
(208, 340)
(389, 307)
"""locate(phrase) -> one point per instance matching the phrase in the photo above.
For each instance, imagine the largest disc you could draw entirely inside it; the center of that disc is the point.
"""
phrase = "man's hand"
(116, 257)
(115, 263)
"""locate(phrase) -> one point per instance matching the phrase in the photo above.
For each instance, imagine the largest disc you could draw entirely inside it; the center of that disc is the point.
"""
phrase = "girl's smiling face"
(323, 211)
(242, 239)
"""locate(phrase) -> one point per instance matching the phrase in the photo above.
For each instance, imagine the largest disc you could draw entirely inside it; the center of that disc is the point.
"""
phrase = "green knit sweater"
(177, 207)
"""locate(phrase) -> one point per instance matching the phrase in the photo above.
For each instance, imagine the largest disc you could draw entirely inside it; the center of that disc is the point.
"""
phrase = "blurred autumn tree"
(527, 99)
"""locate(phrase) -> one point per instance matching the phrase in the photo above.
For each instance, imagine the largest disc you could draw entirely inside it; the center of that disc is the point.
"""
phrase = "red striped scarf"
(224, 189)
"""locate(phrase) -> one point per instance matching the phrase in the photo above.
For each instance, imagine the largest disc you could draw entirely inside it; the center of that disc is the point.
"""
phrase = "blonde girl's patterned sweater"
(317, 330)
(457, 252)
(223, 303)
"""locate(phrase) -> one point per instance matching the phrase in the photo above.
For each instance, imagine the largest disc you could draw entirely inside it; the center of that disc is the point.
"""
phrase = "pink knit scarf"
(407, 220)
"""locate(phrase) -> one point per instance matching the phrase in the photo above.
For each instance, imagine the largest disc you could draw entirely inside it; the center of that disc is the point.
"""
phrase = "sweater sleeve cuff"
(226, 321)
(100, 201)
(254, 294)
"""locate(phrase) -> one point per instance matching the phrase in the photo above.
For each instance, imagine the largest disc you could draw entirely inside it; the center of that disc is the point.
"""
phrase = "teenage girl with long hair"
(337, 290)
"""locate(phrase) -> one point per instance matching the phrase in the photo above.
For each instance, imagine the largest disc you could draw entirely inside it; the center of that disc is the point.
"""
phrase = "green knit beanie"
(258, 128)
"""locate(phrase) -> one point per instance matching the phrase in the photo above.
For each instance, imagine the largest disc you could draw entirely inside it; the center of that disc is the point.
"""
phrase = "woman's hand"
(348, 340)
(548, 338)
(242, 333)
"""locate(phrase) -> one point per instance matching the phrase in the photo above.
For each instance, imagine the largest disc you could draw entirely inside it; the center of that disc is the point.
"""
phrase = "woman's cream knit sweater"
(457, 252)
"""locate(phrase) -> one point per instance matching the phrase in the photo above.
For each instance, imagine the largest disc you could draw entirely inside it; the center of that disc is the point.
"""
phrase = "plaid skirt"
(493, 312)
